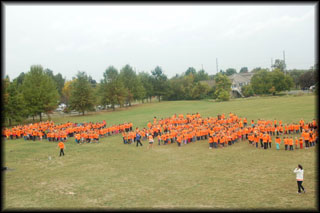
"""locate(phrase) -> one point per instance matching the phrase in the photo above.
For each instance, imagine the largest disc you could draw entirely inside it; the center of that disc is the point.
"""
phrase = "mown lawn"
(113, 175)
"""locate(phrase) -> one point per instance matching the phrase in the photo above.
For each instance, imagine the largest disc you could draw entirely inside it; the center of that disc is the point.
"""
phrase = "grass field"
(113, 175)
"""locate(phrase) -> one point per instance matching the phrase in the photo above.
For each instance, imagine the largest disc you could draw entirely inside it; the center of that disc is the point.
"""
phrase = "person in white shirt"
(299, 177)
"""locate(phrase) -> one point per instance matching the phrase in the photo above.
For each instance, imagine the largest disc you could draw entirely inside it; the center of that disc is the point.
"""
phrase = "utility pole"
(271, 63)
(217, 65)
(202, 66)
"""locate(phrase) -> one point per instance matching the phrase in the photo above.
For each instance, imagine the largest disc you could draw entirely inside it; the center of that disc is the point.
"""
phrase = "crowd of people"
(82, 132)
(220, 131)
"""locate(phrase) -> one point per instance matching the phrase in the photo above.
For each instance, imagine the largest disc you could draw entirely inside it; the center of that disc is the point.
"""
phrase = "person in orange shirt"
(222, 140)
(301, 142)
(77, 138)
(179, 138)
(150, 138)
(301, 124)
(261, 139)
(265, 141)
(215, 141)
(269, 140)
(124, 137)
(290, 141)
(296, 142)
(305, 135)
(164, 138)
(256, 140)
(210, 142)
(62, 147)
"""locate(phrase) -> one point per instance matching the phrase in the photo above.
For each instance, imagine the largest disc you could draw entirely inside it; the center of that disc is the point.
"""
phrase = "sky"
(67, 38)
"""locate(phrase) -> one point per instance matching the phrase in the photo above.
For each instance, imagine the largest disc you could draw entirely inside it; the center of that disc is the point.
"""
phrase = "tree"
(257, 69)
(39, 92)
(201, 75)
(82, 98)
(191, 70)
(14, 105)
(261, 82)
(60, 83)
(222, 87)
(159, 82)
(247, 90)
(20, 78)
(146, 81)
(58, 79)
(200, 91)
(279, 64)
(112, 89)
(295, 74)
(175, 89)
(280, 81)
(230, 71)
(130, 81)
(307, 79)
(244, 70)
(66, 92)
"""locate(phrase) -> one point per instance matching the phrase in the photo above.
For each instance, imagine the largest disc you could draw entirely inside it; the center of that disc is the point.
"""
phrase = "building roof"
(241, 78)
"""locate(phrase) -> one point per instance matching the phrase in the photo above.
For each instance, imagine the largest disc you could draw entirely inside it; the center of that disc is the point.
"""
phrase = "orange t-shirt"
(61, 145)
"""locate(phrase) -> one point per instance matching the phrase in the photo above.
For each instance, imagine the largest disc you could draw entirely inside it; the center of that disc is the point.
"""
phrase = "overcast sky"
(72, 38)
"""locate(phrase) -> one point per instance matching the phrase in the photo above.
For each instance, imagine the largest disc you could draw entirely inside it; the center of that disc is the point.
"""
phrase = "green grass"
(113, 175)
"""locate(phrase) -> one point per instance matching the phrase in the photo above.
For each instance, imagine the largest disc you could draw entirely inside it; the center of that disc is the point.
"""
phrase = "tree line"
(39, 91)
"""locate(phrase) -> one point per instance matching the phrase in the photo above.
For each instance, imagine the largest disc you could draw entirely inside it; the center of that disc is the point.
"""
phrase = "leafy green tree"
(222, 95)
(244, 70)
(187, 86)
(200, 91)
(280, 81)
(82, 97)
(20, 79)
(159, 82)
(112, 88)
(191, 70)
(201, 75)
(58, 79)
(247, 90)
(307, 79)
(39, 92)
(230, 71)
(223, 87)
(295, 74)
(14, 105)
(130, 81)
(279, 64)
(139, 92)
(175, 89)
(146, 81)
(255, 70)
(261, 82)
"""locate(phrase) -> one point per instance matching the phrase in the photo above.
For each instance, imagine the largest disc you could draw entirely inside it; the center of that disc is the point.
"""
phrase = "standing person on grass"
(61, 146)
(299, 177)
(138, 137)
(150, 141)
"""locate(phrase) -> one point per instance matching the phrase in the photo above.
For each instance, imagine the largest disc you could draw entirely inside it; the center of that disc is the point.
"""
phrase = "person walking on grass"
(62, 147)
(299, 177)
(138, 137)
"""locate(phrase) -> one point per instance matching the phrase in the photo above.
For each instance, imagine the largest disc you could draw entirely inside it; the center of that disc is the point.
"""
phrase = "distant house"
(238, 80)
